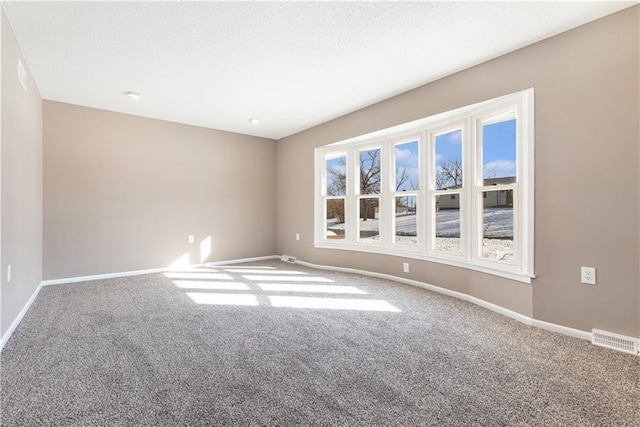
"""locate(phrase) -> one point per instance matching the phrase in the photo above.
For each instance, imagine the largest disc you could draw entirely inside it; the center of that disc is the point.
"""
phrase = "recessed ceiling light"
(254, 121)
(131, 94)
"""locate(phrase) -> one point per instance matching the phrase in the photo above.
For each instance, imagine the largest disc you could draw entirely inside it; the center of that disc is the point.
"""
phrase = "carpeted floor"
(279, 344)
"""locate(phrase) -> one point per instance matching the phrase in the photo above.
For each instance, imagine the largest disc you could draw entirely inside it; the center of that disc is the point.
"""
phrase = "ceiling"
(292, 65)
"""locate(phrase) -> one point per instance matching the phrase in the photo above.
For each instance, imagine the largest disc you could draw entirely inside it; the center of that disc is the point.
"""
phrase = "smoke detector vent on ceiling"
(131, 94)
(615, 341)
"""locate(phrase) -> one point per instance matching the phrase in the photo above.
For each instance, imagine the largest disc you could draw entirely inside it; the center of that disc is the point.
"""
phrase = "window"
(497, 144)
(405, 189)
(456, 188)
(369, 196)
(447, 174)
(335, 191)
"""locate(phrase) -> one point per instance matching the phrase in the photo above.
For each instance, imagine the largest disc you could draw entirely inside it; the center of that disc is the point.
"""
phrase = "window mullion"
(351, 202)
(474, 170)
(423, 200)
(466, 211)
(386, 227)
(429, 186)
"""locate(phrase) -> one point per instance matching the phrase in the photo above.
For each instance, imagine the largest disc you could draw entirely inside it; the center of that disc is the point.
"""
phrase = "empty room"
(320, 213)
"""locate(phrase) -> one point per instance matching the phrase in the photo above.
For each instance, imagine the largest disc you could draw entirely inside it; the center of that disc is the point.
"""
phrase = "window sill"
(510, 274)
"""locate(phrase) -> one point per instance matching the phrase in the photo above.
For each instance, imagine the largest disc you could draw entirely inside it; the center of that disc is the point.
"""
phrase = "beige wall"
(587, 160)
(21, 183)
(122, 193)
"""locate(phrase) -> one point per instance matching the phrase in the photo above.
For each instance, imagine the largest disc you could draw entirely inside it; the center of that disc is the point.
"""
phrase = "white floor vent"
(615, 341)
(288, 258)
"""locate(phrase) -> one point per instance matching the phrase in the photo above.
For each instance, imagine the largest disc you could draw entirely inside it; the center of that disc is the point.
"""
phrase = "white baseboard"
(101, 276)
(19, 317)
(241, 260)
(576, 333)
(149, 271)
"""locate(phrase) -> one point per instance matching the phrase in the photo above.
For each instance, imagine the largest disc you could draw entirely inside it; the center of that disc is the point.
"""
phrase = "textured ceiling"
(291, 65)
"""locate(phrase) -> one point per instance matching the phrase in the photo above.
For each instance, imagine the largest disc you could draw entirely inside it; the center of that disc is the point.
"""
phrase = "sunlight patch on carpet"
(193, 270)
(329, 289)
(332, 303)
(198, 275)
(245, 271)
(289, 278)
(223, 299)
(198, 284)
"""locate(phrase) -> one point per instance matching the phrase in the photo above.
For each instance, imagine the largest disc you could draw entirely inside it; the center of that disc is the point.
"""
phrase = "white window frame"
(357, 190)
(433, 192)
(333, 154)
(478, 187)
(471, 205)
(419, 193)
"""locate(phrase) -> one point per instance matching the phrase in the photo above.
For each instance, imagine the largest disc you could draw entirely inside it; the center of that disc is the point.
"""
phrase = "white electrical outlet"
(405, 267)
(588, 275)
(8, 273)
(297, 236)
(191, 238)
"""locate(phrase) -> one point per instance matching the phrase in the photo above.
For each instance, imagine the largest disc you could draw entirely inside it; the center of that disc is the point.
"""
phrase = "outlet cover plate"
(588, 275)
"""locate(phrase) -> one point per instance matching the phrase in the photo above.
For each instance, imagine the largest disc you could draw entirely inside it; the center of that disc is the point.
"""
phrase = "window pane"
(406, 224)
(406, 156)
(448, 224)
(369, 219)
(335, 219)
(336, 171)
(449, 160)
(370, 171)
(499, 150)
(497, 226)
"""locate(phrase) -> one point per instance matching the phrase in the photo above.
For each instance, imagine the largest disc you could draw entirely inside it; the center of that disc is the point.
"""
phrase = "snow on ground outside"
(498, 223)
(498, 232)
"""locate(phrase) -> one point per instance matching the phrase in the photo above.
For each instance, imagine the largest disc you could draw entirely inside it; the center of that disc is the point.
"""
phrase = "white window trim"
(423, 129)
(392, 193)
(497, 112)
(432, 192)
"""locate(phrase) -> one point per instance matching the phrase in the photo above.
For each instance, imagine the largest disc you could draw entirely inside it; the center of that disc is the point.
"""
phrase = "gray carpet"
(141, 351)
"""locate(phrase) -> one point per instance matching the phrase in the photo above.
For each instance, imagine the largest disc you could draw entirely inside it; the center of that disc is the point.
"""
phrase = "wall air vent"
(615, 341)
(288, 258)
